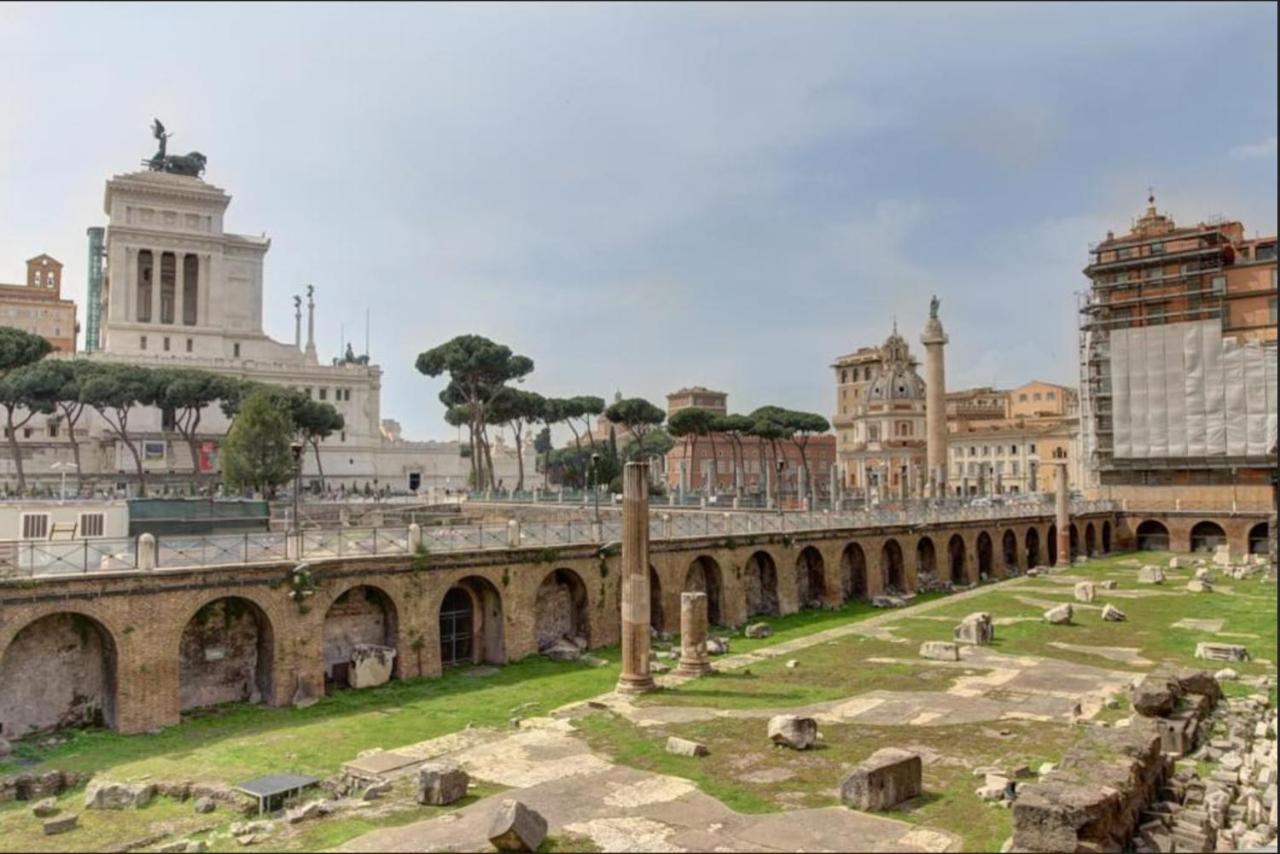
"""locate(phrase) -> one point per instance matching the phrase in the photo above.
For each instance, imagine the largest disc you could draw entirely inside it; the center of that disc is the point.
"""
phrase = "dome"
(896, 378)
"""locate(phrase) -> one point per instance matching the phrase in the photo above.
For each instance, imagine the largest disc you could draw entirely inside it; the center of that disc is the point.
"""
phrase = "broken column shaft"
(635, 676)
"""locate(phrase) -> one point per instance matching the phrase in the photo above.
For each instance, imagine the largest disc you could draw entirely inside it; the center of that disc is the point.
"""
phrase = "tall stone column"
(693, 635)
(1063, 521)
(311, 322)
(935, 400)
(635, 676)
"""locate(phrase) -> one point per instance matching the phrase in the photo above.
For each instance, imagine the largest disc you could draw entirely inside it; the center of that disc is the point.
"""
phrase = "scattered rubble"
(441, 783)
(794, 731)
(1112, 614)
(685, 747)
(515, 827)
(1059, 616)
(1221, 651)
(940, 650)
(976, 629)
(883, 780)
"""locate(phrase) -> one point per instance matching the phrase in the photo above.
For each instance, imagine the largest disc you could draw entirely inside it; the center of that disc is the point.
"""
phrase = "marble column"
(935, 390)
(1063, 520)
(156, 256)
(693, 635)
(635, 676)
(179, 283)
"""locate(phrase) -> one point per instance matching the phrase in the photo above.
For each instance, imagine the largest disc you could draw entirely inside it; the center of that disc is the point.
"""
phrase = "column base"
(635, 684)
(693, 668)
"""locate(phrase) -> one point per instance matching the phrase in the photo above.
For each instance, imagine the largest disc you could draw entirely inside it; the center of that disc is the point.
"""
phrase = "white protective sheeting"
(1182, 390)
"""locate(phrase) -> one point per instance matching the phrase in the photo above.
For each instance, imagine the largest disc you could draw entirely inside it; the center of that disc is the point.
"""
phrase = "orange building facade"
(38, 307)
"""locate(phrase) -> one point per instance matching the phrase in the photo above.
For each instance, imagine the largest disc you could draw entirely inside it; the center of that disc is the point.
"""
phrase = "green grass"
(824, 673)
(98, 830)
(241, 741)
(1249, 608)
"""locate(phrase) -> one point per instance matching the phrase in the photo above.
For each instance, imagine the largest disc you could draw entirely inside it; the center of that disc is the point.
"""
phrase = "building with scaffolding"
(1178, 363)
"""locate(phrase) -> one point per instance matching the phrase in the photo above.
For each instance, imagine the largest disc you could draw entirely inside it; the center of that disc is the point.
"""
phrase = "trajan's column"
(935, 402)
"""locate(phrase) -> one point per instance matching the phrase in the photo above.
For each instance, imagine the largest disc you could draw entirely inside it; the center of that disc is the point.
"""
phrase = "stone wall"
(275, 649)
(358, 616)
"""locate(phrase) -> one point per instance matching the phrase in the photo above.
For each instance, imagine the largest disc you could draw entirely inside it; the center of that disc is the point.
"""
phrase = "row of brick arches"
(1204, 536)
(61, 668)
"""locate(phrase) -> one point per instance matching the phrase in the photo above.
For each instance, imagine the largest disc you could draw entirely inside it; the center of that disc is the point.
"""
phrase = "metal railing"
(36, 558)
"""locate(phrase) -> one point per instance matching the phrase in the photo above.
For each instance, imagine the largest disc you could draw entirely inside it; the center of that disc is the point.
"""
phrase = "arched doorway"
(470, 624)
(704, 577)
(1074, 538)
(1207, 536)
(1106, 538)
(1009, 549)
(58, 671)
(655, 602)
(853, 572)
(811, 584)
(560, 610)
(1259, 539)
(760, 583)
(1052, 545)
(891, 567)
(1033, 547)
(362, 615)
(984, 555)
(226, 655)
(1090, 540)
(926, 558)
(1153, 536)
(955, 559)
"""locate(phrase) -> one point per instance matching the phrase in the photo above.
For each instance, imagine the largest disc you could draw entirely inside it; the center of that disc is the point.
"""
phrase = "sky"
(645, 197)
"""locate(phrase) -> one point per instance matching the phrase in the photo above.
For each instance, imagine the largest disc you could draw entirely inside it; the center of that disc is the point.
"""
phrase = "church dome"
(896, 378)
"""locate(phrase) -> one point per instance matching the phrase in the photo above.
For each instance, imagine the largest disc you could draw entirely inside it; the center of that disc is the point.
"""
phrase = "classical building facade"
(1178, 362)
(880, 421)
(38, 307)
(179, 290)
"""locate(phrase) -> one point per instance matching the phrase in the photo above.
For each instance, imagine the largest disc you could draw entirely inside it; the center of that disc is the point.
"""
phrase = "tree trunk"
(13, 450)
(519, 459)
(804, 465)
(760, 478)
(715, 467)
(488, 457)
(315, 446)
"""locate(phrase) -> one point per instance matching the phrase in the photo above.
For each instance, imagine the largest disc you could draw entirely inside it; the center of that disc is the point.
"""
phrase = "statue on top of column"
(934, 302)
(191, 164)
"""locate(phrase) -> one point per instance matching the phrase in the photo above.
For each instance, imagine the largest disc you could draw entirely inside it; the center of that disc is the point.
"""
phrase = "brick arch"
(704, 575)
(1033, 546)
(75, 683)
(926, 557)
(1256, 540)
(985, 553)
(893, 566)
(957, 560)
(1106, 536)
(562, 607)
(810, 577)
(487, 626)
(360, 624)
(1010, 553)
(761, 584)
(1090, 540)
(238, 660)
(1152, 534)
(854, 576)
(1206, 534)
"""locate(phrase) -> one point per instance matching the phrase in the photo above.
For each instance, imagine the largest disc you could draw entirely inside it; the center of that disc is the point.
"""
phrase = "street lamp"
(595, 483)
(296, 447)
(777, 487)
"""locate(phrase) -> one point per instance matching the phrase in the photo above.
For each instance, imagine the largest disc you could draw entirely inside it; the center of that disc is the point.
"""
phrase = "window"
(1266, 252)
(188, 345)
(1032, 449)
(92, 524)
(1271, 308)
(1219, 284)
(1049, 395)
(343, 436)
(168, 419)
(166, 344)
(35, 526)
(1013, 449)
(973, 451)
(324, 394)
(1157, 248)
(1014, 466)
(235, 350)
(1036, 396)
(142, 342)
(986, 450)
(1022, 398)
(308, 391)
(53, 429)
(26, 432)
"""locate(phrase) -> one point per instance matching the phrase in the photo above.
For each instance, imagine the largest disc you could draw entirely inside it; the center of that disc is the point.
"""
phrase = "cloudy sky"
(642, 197)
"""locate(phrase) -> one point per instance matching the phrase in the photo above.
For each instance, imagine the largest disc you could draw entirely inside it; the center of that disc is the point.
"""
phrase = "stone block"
(562, 650)
(1156, 695)
(62, 824)
(794, 731)
(206, 805)
(1084, 591)
(1200, 585)
(1112, 614)
(371, 665)
(1151, 574)
(1221, 651)
(685, 747)
(940, 650)
(717, 646)
(1059, 616)
(1109, 584)
(309, 810)
(1222, 555)
(758, 630)
(976, 629)
(515, 827)
(883, 780)
(106, 795)
(441, 783)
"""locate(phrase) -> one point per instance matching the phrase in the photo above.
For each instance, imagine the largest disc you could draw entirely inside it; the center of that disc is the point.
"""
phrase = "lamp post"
(595, 483)
(62, 490)
(777, 487)
(296, 447)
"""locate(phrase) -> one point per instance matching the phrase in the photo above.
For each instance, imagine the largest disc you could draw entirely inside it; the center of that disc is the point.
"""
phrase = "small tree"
(187, 392)
(735, 427)
(689, 424)
(518, 409)
(315, 421)
(803, 426)
(114, 391)
(636, 414)
(257, 451)
(17, 350)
